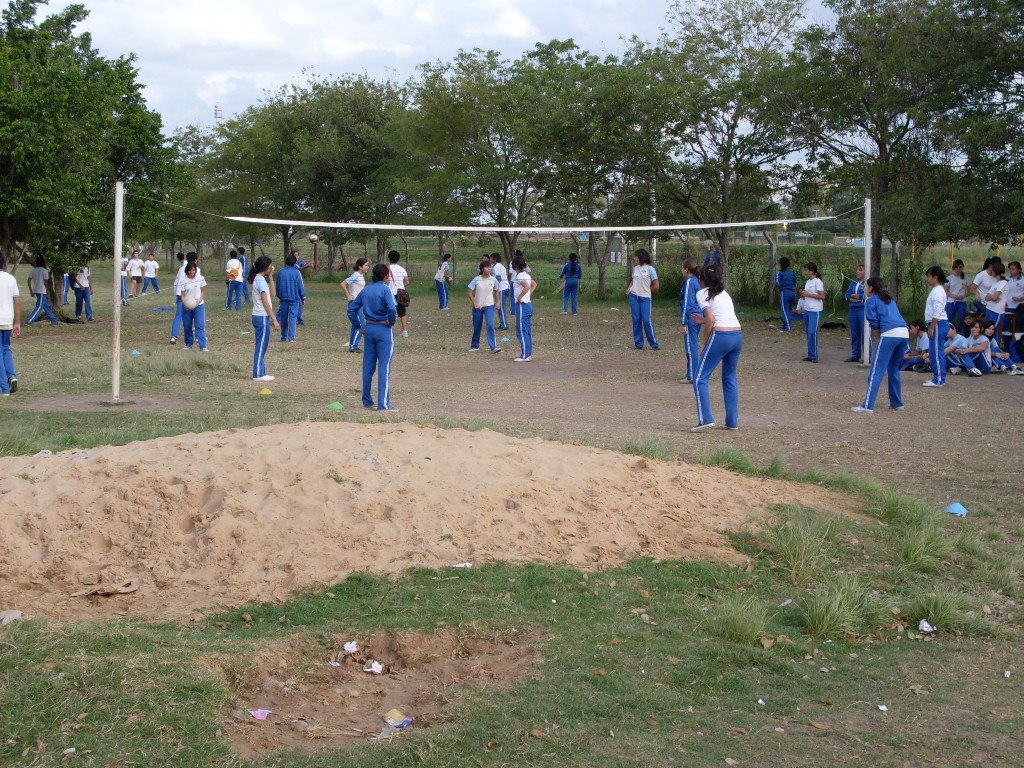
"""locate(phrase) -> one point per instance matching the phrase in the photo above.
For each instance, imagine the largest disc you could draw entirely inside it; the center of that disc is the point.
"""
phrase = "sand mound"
(222, 518)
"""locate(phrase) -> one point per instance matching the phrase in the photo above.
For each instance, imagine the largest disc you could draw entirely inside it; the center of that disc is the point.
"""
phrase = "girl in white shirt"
(193, 307)
(723, 344)
(441, 280)
(483, 292)
(956, 291)
(262, 315)
(523, 287)
(813, 294)
(352, 286)
(643, 283)
(938, 325)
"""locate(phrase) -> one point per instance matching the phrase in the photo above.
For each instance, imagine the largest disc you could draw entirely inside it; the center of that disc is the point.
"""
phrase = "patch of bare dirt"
(316, 705)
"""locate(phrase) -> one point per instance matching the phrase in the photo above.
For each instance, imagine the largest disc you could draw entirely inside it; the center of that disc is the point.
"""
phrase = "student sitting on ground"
(917, 358)
(1001, 362)
(956, 344)
(977, 357)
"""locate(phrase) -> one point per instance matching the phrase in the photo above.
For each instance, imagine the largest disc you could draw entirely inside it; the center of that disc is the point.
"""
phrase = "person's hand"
(277, 325)
(16, 331)
(682, 330)
(931, 333)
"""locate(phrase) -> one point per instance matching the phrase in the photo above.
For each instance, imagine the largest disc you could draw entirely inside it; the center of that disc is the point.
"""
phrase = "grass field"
(607, 688)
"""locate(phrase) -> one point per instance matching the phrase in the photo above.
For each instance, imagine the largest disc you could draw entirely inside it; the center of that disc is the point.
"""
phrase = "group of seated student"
(978, 353)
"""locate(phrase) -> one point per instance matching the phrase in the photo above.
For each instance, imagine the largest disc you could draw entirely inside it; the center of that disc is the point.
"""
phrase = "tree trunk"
(508, 244)
(441, 237)
(382, 246)
(894, 271)
(405, 244)
(286, 237)
(773, 295)
(602, 267)
(592, 248)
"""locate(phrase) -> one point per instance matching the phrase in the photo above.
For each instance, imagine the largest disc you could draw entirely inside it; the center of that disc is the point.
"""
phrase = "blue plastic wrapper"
(958, 509)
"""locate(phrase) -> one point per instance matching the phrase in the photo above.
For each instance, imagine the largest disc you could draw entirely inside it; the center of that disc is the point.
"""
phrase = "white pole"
(654, 220)
(118, 253)
(865, 349)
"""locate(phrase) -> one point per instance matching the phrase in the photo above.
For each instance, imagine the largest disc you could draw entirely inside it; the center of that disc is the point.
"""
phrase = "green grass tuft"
(740, 619)
(899, 509)
(925, 549)
(799, 542)
(649, 448)
(731, 459)
(776, 469)
(845, 607)
(949, 611)
(1003, 575)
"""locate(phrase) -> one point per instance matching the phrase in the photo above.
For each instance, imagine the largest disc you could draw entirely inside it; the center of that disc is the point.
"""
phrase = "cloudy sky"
(194, 54)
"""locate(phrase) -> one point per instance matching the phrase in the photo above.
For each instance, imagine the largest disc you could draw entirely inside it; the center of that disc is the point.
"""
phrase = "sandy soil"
(218, 519)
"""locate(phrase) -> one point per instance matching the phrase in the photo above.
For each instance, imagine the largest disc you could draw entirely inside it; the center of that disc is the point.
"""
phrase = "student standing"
(67, 287)
(855, 314)
(505, 303)
(39, 285)
(785, 281)
(83, 294)
(245, 271)
(523, 287)
(183, 261)
(150, 268)
(236, 279)
(398, 279)
(193, 291)
(291, 291)
(884, 316)
(642, 284)
(712, 256)
(1014, 298)
(813, 294)
(10, 328)
(688, 307)
(124, 281)
(442, 279)
(956, 292)
(377, 305)
(723, 342)
(135, 268)
(483, 292)
(938, 325)
(572, 273)
(262, 315)
(352, 286)
(998, 293)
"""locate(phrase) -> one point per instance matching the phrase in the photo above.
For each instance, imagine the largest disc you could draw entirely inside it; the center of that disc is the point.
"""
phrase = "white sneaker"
(522, 359)
(954, 370)
(702, 427)
(1015, 371)
(861, 409)
(931, 384)
(405, 334)
(974, 372)
(496, 350)
(268, 377)
(474, 349)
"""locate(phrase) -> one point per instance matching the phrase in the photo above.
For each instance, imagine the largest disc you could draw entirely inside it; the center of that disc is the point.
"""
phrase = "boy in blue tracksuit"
(893, 342)
(291, 292)
(572, 273)
(245, 271)
(688, 307)
(785, 281)
(855, 314)
(376, 304)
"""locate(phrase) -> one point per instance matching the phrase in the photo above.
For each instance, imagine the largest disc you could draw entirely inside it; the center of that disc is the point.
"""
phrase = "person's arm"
(272, 282)
(16, 331)
(708, 320)
(655, 285)
(265, 298)
(406, 281)
(202, 294)
(472, 298)
(994, 296)
(354, 307)
(344, 287)
(392, 309)
(532, 288)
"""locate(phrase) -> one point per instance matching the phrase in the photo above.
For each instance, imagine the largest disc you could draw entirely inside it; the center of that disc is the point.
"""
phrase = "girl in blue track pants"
(643, 283)
(442, 278)
(376, 304)
(523, 287)
(724, 344)
(688, 307)
(785, 281)
(262, 315)
(956, 290)
(572, 273)
(855, 314)
(813, 294)
(352, 286)
(884, 316)
(483, 292)
(938, 325)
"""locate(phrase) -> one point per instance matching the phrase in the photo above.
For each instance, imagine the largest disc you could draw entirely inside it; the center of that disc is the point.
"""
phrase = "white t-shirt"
(151, 266)
(37, 280)
(180, 277)
(897, 333)
(8, 291)
(83, 278)
(483, 290)
(396, 278)
(193, 288)
(523, 292)
(135, 267)
(722, 307)
(956, 287)
(356, 282)
(922, 342)
(974, 341)
(259, 286)
(442, 272)
(643, 276)
(1015, 287)
(983, 281)
(1000, 286)
(234, 270)
(124, 266)
(935, 305)
(501, 275)
(814, 285)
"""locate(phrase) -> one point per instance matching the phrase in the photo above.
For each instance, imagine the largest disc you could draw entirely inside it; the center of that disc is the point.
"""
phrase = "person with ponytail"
(262, 314)
(884, 317)
(723, 342)
(938, 325)
(813, 295)
(642, 284)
